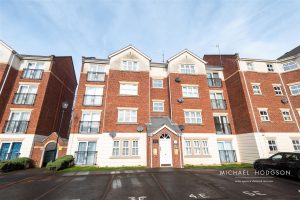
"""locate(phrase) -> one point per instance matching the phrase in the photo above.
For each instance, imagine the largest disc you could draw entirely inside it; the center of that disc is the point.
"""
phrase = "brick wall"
(161, 94)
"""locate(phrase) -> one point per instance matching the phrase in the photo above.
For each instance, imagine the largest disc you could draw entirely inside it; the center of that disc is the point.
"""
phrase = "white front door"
(165, 150)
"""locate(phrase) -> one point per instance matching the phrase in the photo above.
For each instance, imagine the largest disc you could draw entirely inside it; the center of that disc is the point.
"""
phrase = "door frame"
(170, 151)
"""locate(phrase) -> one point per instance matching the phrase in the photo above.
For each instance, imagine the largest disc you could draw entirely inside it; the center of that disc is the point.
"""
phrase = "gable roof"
(126, 48)
(158, 123)
(290, 53)
(189, 52)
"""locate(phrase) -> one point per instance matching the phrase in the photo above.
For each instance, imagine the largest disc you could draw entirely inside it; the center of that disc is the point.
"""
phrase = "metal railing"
(9, 156)
(92, 100)
(227, 156)
(96, 76)
(214, 82)
(85, 157)
(89, 127)
(218, 104)
(223, 128)
(24, 98)
(15, 126)
(32, 73)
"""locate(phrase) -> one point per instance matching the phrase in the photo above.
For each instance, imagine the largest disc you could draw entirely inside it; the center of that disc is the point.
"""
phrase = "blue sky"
(256, 28)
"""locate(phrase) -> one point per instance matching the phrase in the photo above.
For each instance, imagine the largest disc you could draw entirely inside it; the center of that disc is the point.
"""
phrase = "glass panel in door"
(81, 153)
(15, 150)
(4, 151)
(91, 153)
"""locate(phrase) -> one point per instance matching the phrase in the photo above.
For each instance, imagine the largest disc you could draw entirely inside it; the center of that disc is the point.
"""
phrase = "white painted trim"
(189, 52)
(90, 85)
(29, 83)
(164, 126)
(199, 110)
(128, 82)
(126, 48)
(127, 108)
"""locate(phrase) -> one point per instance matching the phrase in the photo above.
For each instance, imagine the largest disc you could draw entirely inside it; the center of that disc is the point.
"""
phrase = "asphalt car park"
(147, 184)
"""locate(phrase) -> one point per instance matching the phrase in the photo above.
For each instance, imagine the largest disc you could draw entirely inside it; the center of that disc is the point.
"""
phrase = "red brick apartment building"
(132, 111)
(32, 91)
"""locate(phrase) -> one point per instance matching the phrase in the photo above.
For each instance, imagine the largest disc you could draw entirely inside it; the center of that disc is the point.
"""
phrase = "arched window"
(164, 136)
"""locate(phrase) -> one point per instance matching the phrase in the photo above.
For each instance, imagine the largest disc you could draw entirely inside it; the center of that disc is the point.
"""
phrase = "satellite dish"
(178, 79)
(181, 127)
(140, 128)
(180, 100)
(284, 101)
(112, 134)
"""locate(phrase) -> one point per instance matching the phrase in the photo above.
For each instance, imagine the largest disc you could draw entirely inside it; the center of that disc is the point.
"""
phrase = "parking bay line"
(5, 186)
(107, 188)
(162, 189)
(53, 188)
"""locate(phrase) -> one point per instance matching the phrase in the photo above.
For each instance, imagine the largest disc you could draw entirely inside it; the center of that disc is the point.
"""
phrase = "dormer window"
(187, 69)
(130, 65)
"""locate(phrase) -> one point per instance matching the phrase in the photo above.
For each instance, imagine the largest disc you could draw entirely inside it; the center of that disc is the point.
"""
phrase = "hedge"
(15, 164)
(61, 163)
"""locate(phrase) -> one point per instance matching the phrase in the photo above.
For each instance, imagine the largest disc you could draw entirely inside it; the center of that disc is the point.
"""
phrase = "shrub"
(61, 163)
(15, 164)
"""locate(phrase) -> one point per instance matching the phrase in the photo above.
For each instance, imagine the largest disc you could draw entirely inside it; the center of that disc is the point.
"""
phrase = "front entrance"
(50, 153)
(165, 150)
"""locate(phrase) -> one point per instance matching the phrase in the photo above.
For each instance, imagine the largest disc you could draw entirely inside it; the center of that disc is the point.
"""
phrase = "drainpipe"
(9, 68)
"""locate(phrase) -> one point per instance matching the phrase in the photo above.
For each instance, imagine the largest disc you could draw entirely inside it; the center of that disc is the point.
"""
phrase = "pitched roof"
(129, 47)
(189, 52)
(290, 53)
(159, 122)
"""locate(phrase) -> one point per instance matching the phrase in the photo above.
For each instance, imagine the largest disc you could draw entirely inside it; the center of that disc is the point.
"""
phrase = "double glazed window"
(270, 67)
(196, 147)
(272, 145)
(187, 69)
(277, 90)
(290, 66)
(295, 89)
(10, 150)
(125, 148)
(157, 83)
(128, 89)
(250, 66)
(158, 106)
(96, 73)
(190, 91)
(130, 65)
(18, 122)
(256, 89)
(86, 154)
(93, 96)
(193, 117)
(296, 145)
(127, 116)
(222, 125)
(34, 70)
(286, 115)
(217, 100)
(214, 79)
(90, 122)
(264, 115)
(26, 95)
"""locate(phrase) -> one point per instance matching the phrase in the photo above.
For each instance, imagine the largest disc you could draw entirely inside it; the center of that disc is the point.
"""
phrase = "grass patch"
(95, 168)
(224, 166)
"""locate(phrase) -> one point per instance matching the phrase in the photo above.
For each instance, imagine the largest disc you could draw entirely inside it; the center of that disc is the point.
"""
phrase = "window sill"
(127, 123)
(289, 122)
(191, 97)
(193, 124)
(258, 94)
(157, 88)
(294, 95)
(125, 157)
(266, 121)
(158, 111)
(197, 156)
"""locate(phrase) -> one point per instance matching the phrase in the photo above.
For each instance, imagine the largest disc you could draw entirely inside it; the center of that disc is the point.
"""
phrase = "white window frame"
(130, 65)
(272, 145)
(158, 108)
(187, 69)
(264, 117)
(36, 65)
(157, 83)
(256, 89)
(135, 148)
(250, 66)
(193, 117)
(277, 89)
(188, 147)
(296, 144)
(286, 115)
(190, 91)
(116, 148)
(129, 89)
(125, 148)
(289, 66)
(295, 91)
(28, 86)
(96, 68)
(270, 67)
(131, 115)
(196, 147)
